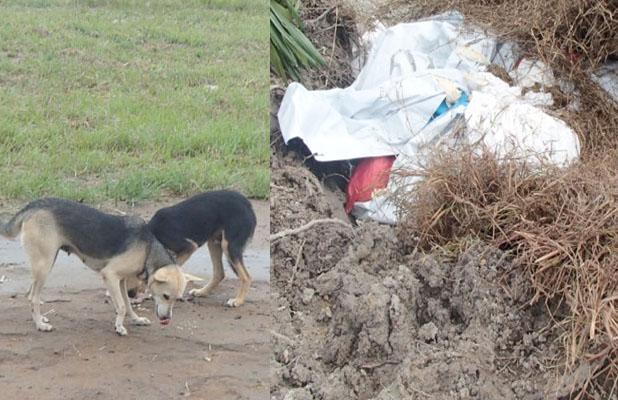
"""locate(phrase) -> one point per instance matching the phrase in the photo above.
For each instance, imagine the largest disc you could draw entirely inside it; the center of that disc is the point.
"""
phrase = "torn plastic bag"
(498, 118)
(372, 174)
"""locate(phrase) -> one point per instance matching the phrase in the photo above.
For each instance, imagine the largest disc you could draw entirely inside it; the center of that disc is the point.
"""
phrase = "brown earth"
(208, 352)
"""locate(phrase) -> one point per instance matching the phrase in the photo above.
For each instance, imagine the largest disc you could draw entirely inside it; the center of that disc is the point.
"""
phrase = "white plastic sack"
(507, 123)
(409, 71)
(528, 73)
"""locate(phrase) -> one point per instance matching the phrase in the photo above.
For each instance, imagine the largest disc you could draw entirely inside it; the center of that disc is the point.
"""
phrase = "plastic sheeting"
(412, 71)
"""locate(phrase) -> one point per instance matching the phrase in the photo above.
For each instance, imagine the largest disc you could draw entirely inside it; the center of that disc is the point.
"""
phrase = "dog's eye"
(166, 297)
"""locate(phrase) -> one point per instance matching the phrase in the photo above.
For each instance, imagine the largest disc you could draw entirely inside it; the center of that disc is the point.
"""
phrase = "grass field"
(132, 100)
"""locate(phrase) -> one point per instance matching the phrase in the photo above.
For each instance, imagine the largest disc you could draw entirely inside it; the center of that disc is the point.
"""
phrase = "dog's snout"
(164, 314)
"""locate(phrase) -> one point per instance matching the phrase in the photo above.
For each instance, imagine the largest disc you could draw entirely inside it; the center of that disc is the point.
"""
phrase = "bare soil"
(208, 352)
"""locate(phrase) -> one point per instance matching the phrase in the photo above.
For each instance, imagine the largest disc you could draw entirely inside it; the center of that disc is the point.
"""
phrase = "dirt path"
(209, 351)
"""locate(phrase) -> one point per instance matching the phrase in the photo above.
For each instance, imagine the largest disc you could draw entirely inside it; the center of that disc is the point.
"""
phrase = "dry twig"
(309, 225)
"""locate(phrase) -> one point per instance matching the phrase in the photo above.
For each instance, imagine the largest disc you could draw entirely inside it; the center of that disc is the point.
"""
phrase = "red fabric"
(369, 175)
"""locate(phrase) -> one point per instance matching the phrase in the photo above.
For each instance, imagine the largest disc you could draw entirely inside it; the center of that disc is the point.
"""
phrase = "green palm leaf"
(290, 50)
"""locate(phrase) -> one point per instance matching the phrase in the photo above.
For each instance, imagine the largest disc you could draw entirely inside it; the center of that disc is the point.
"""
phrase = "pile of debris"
(487, 132)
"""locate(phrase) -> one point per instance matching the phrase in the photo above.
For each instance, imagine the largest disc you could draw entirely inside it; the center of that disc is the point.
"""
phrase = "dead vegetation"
(332, 30)
(578, 34)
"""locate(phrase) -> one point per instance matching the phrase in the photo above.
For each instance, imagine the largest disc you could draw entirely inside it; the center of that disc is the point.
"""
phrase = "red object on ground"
(369, 175)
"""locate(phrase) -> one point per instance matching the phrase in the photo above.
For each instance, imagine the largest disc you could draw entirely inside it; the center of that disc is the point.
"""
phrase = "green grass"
(131, 100)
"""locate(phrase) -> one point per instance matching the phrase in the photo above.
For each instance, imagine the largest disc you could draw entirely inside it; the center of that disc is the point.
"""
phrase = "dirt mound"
(555, 224)
(385, 325)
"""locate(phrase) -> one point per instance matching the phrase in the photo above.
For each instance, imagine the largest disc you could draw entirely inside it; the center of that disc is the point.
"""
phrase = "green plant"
(290, 50)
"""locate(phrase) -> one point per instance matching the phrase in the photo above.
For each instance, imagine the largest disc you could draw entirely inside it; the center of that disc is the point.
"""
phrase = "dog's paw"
(44, 319)
(121, 330)
(233, 303)
(140, 321)
(195, 293)
(44, 326)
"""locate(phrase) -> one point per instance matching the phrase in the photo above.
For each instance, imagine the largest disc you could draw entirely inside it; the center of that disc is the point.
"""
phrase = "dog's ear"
(192, 278)
(160, 275)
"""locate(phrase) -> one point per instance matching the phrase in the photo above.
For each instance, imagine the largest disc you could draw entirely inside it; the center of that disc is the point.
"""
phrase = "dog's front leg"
(112, 282)
(133, 317)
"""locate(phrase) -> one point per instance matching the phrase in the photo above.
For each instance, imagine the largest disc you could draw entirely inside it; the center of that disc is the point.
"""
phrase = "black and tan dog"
(120, 248)
(224, 219)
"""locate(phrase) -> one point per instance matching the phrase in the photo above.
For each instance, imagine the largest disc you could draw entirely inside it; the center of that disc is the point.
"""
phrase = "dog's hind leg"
(133, 317)
(40, 268)
(233, 252)
(216, 256)
(42, 256)
(245, 283)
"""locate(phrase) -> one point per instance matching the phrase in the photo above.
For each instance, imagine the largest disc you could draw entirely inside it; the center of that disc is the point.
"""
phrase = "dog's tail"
(10, 227)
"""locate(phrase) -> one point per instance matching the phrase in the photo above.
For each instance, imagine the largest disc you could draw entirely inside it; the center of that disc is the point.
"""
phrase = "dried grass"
(560, 224)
